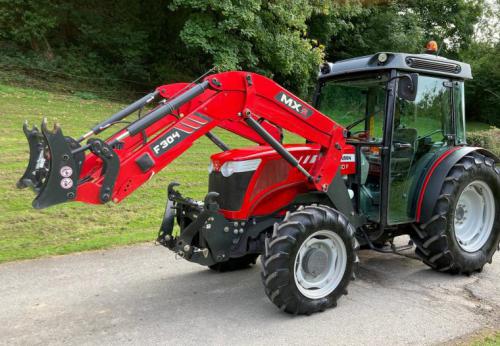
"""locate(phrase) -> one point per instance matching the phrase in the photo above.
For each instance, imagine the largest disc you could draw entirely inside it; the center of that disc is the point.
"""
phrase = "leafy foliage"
(406, 26)
(140, 44)
(489, 139)
(27, 22)
(269, 37)
(483, 92)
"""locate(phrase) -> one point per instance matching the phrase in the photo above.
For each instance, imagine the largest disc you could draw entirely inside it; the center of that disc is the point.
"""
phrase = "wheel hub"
(315, 262)
(474, 216)
(460, 213)
(320, 264)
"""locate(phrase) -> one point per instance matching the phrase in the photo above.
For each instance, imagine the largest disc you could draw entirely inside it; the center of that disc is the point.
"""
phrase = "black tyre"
(233, 264)
(309, 260)
(464, 232)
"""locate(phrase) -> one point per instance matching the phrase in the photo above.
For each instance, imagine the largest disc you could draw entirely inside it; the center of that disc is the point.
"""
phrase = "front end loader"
(383, 154)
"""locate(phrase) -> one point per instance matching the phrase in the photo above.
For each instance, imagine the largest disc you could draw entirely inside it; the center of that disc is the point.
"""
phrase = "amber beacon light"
(431, 47)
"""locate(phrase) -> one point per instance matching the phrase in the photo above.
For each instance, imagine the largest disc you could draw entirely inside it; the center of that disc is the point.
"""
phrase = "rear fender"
(431, 187)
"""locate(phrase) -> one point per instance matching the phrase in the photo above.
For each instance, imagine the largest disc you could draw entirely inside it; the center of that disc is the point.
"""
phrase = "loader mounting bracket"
(111, 166)
(201, 238)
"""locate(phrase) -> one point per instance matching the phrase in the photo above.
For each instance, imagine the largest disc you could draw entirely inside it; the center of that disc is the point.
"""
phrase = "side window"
(429, 114)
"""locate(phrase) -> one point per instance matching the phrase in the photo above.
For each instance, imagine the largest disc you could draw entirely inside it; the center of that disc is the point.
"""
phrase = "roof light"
(431, 47)
(325, 68)
(382, 58)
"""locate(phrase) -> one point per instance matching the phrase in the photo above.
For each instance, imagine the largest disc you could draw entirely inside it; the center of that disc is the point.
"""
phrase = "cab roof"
(419, 63)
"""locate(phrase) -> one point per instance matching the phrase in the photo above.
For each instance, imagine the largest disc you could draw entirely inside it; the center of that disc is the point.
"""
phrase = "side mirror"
(408, 86)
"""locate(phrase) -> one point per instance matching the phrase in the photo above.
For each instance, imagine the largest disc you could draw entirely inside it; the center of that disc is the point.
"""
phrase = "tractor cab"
(401, 111)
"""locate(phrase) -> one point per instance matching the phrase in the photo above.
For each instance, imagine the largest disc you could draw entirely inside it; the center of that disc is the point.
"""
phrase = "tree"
(27, 23)
(406, 26)
(269, 37)
(482, 94)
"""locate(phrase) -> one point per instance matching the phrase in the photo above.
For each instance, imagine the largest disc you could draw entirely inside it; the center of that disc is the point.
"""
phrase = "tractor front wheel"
(309, 260)
(464, 232)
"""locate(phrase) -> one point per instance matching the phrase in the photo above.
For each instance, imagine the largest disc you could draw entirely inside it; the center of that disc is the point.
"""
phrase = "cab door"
(359, 104)
(422, 129)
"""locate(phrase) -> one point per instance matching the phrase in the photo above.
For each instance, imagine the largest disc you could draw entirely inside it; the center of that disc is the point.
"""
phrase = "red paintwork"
(275, 183)
(348, 165)
(428, 178)
(220, 106)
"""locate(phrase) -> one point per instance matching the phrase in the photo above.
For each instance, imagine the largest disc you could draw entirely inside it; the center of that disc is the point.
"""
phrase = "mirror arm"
(403, 76)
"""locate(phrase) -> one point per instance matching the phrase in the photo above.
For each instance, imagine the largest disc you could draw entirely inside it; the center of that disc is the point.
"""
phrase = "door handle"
(402, 145)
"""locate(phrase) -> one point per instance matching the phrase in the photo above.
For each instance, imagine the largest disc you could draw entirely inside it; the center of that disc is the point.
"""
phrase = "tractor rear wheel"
(233, 264)
(309, 260)
(464, 232)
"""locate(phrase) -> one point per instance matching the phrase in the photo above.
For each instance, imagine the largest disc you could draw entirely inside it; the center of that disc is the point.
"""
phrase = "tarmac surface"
(144, 295)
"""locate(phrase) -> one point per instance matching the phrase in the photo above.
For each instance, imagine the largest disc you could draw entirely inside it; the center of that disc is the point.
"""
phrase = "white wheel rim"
(474, 216)
(320, 264)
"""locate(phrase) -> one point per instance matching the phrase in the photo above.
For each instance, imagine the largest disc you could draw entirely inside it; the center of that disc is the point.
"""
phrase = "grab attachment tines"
(37, 168)
(53, 170)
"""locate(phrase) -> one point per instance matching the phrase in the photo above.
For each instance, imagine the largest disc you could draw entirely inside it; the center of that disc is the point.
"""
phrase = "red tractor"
(399, 165)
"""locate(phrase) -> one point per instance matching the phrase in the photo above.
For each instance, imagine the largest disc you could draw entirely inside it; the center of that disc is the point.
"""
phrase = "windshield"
(359, 103)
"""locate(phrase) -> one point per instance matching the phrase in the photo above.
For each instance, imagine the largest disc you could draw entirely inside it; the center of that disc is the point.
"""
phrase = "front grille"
(432, 65)
(231, 190)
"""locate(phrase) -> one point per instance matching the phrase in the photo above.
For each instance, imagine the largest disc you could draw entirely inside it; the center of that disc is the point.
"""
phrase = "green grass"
(28, 233)
(488, 340)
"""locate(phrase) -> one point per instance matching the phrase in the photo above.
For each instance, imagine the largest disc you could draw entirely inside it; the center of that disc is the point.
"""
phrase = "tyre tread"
(433, 244)
(276, 275)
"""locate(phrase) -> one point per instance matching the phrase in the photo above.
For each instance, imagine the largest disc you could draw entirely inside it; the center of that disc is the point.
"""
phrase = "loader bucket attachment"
(35, 172)
(53, 170)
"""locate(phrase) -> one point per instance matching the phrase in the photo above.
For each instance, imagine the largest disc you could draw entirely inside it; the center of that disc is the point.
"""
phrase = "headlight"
(210, 167)
(231, 167)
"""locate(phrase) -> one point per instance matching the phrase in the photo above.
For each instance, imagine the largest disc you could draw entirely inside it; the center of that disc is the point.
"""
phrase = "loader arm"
(247, 104)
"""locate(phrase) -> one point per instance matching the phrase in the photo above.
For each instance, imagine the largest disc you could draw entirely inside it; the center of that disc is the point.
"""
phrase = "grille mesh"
(431, 65)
